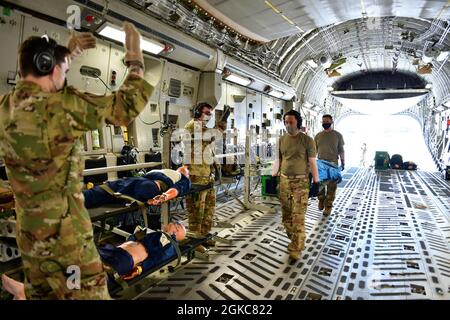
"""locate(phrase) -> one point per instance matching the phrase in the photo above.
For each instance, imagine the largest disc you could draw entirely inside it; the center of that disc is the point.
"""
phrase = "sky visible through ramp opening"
(396, 134)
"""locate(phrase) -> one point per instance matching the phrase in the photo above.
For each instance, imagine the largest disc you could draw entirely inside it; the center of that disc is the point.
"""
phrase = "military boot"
(294, 255)
(210, 243)
(321, 204)
(327, 211)
(201, 249)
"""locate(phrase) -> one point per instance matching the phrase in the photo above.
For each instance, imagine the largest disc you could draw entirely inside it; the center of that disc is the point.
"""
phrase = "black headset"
(297, 116)
(198, 109)
(44, 59)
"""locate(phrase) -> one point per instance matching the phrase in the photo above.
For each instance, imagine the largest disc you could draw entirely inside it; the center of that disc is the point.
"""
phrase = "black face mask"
(326, 125)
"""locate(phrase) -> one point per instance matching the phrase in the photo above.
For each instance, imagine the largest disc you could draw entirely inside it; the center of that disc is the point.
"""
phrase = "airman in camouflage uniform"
(330, 147)
(296, 157)
(40, 132)
(201, 206)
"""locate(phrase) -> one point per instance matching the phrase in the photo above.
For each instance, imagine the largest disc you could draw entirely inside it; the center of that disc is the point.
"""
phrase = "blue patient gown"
(158, 247)
(140, 188)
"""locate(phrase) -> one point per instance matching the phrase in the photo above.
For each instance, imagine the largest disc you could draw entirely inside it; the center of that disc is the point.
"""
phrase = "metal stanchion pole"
(247, 180)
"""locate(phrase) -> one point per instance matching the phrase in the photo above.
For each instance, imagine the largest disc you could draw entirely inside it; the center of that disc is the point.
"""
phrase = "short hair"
(33, 45)
(199, 108)
(327, 116)
(297, 116)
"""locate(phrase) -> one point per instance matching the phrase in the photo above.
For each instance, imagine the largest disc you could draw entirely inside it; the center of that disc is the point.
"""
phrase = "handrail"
(126, 167)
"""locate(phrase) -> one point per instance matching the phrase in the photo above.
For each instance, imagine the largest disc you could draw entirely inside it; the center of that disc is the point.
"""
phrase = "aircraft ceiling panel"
(260, 18)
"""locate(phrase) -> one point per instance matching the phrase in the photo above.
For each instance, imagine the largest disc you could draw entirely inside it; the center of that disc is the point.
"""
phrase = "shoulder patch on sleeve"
(164, 241)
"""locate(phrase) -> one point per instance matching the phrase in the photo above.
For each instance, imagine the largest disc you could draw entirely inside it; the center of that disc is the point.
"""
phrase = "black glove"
(226, 113)
(314, 190)
(342, 166)
(217, 171)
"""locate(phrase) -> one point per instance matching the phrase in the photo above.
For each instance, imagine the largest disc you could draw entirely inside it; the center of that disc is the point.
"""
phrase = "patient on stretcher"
(128, 260)
(154, 188)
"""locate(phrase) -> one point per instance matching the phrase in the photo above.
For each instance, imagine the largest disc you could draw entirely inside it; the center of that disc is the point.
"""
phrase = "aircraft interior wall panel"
(141, 132)
(239, 108)
(253, 108)
(179, 105)
(95, 58)
(159, 73)
(9, 33)
(117, 53)
(226, 100)
(153, 74)
(99, 58)
(270, 107)
(141, 127)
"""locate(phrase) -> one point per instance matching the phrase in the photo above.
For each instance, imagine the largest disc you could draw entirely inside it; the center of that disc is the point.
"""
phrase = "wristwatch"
(135, 63)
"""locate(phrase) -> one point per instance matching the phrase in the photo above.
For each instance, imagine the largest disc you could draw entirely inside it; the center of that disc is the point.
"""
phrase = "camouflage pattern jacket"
(202, 158)
(40, 143)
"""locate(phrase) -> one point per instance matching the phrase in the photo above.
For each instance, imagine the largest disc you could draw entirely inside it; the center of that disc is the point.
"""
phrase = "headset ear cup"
(195, 113)
(44, 62)
(198, 110)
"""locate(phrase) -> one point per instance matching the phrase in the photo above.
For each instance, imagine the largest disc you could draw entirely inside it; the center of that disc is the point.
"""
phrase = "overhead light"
(442, 56)
(426, 59)
(428, 86)
(330, 88)
(312, 63)
(112, 32)
(276, 93)
(243, 81)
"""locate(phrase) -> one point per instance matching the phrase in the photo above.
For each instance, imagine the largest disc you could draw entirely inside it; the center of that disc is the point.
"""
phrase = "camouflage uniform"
(329, 145)
(201, 206)
(294, 154)
(327, 193)
(294, 202)
(40, 142)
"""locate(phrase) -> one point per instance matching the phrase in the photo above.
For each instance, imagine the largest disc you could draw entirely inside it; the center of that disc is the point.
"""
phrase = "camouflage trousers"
(201, 207)
(294, 202)
(327, 193)
(60, 259)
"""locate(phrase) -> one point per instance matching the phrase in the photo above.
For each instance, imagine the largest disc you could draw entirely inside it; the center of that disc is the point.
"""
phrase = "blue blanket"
(328, 171)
